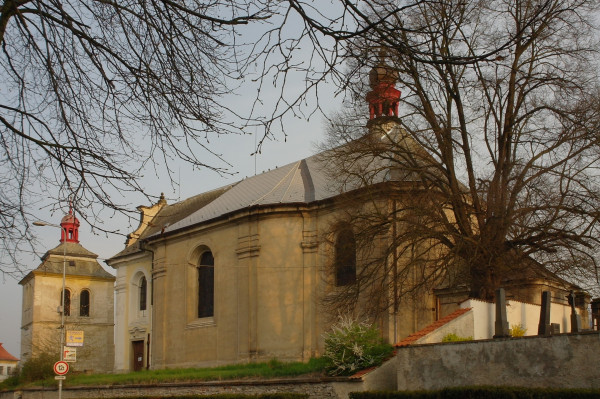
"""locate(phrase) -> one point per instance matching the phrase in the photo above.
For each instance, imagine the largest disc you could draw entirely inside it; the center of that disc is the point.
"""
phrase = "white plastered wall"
(525, 315)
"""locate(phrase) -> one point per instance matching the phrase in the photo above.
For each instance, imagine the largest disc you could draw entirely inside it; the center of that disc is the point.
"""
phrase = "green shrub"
(483, 393)
(11, 382)
(455, 338)
(517, 330)
(37, 368)
(283, 395)
(353, 346)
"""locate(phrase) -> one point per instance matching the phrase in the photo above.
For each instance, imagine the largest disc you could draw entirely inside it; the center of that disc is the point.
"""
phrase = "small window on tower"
(72, 263)
(67, 304)
(84, 303)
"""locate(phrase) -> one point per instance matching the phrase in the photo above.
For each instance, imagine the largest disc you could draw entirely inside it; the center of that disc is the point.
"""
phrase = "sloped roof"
(81, 262)
(71, 249)
(4, 355)
(412, 338)
(170, 214)
(302, 181)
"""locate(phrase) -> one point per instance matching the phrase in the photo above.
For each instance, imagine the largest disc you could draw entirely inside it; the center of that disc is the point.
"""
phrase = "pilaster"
(159, 301)
(310, 246)
(248, 250)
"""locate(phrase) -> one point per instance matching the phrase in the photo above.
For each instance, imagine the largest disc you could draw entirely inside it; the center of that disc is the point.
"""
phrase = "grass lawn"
(271, 369)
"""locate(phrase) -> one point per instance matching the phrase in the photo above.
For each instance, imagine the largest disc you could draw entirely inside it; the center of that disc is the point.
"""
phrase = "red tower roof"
(70, 228)
(384, 98)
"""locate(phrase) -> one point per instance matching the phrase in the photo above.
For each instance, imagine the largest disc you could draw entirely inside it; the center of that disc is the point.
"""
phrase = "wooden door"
(138, 355)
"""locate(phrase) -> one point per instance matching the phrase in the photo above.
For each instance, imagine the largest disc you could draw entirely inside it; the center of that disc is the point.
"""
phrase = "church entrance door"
(138, 355)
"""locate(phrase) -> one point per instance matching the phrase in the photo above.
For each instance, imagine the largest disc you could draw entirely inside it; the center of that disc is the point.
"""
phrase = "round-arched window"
(84, 303)
(206, 285)
(143, 293)
(67, 304)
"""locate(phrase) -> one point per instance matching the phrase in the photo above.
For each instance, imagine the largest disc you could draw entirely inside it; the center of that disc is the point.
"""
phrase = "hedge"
(483, 392)
(227, 396)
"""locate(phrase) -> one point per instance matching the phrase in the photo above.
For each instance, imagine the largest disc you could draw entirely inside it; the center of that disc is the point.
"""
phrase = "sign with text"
(61, 368)
(74, 338)
(69, 354)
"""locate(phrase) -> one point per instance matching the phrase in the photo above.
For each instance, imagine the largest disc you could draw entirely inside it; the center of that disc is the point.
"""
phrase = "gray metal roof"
(302, 181)
(170, 214)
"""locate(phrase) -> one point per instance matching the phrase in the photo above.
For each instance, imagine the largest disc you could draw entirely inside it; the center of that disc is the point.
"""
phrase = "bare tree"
(93, 92)
(490, 170)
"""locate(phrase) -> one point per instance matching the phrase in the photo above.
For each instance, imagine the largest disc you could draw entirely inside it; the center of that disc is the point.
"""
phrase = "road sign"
(69, 354)
(61, 368)
(74, 338)
(60, 377)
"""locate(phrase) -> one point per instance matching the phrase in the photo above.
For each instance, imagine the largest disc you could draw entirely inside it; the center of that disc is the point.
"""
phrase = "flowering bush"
(517, 330)
(353, 346)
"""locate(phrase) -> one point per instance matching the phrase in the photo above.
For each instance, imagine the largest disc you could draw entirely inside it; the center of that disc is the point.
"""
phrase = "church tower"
(88, 304)
(383, 99)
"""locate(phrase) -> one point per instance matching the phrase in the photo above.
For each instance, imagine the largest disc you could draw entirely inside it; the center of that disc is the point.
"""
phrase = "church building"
(88, 304)
(238, 273)
(243, 272)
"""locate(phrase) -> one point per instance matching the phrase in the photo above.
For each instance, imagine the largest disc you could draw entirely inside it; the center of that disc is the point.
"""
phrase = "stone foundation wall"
(316, 388)
(560, 361)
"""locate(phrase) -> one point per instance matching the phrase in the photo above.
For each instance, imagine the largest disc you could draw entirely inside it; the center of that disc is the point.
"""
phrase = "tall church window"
(143, 292)
(345, 258)
(206, 285)
(67, 304)
(84, 303)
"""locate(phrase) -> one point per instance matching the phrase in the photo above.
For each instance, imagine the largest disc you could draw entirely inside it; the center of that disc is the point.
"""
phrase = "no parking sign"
(61, 368)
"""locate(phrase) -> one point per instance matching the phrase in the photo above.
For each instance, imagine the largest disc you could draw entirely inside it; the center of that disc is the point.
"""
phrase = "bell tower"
(69, 289)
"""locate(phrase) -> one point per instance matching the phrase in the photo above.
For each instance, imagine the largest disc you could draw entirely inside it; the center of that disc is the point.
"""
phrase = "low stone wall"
(316, 388)
(560, 361)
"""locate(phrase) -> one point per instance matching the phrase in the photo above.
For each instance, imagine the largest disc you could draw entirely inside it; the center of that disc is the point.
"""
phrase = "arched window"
(345, 258)
(143, 292)
(206, 285)
(67, 304)
(84, 303)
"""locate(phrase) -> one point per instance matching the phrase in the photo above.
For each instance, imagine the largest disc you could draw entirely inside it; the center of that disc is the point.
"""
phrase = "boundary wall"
(558, 361)
(316, 388)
